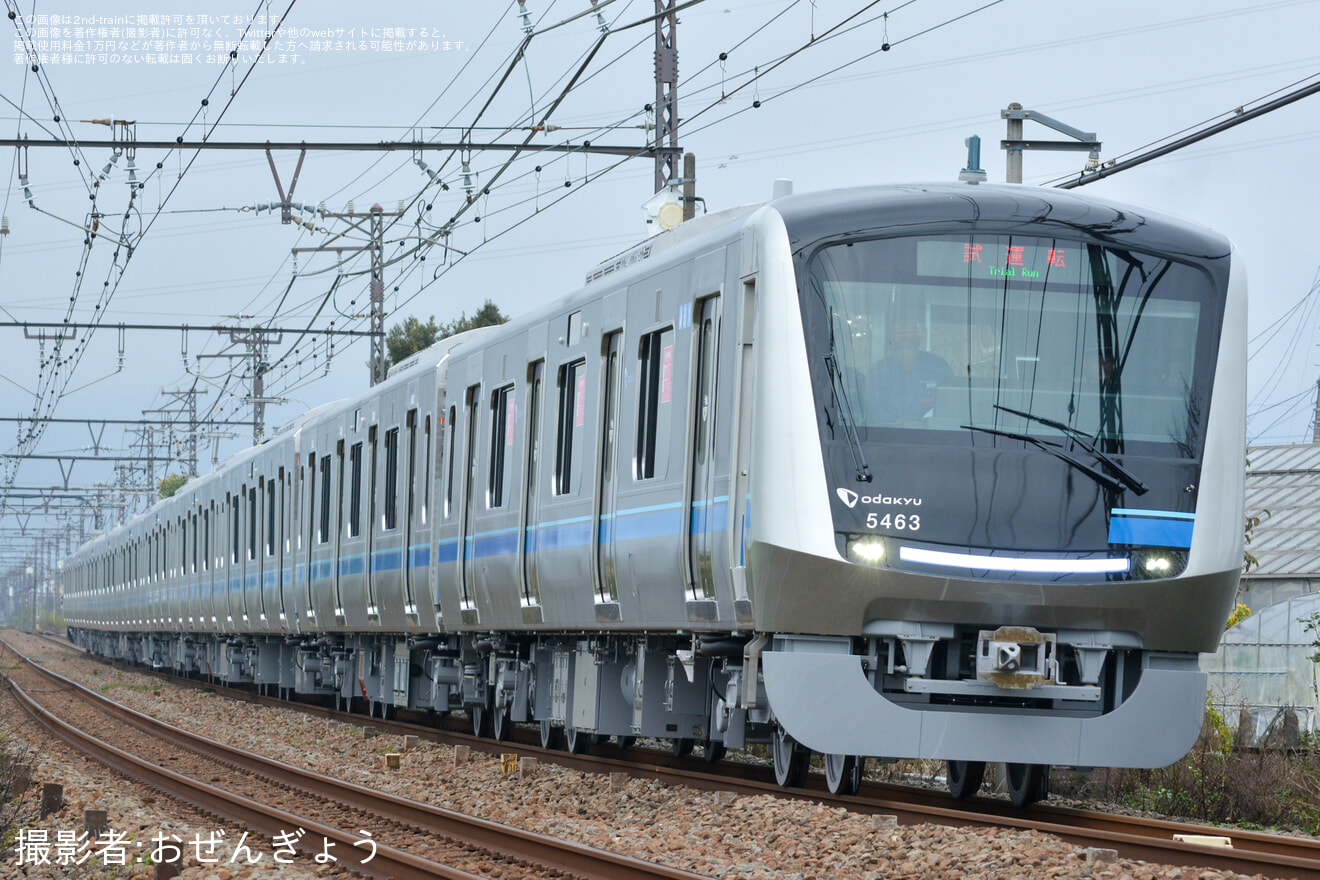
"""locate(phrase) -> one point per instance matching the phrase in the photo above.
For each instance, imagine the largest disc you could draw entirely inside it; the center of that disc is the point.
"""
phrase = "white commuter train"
(944, 471)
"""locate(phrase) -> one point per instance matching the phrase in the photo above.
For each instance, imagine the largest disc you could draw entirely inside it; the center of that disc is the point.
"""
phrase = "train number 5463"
(901, 522)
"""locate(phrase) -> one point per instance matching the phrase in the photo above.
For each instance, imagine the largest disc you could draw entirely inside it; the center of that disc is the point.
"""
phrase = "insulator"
(4, 225)
(105, 172)
(349, 209)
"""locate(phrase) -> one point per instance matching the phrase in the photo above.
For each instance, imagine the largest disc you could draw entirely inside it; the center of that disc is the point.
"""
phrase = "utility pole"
(377, 295)
(375, 220)
(190, 396)
(1315, 429)
(1013, 161)
(666, 93)
(256, 340)
(1015, 143)
(689, 187)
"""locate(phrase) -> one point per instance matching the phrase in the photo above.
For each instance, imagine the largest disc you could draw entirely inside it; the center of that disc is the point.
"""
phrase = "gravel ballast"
(710, 833)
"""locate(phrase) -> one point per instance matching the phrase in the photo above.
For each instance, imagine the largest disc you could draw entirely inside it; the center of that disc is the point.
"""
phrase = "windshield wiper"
(1099, 476)
(1131, 480)
(846, 413)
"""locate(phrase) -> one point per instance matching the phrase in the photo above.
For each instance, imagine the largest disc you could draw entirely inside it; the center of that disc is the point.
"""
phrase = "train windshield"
(1012, 336)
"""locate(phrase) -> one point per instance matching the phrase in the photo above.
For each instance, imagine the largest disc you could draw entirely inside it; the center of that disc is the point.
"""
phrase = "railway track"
(1134, 838)
(405, 839)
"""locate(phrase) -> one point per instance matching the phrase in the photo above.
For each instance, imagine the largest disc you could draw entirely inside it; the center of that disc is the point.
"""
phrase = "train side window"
(183, 544)
(339, 486)
(272, 530)
(253, 512)
(410, 472)
(355, 490)
(610, 405)
(705, 403)
(449, 477)
(501, 440)
(206, 537)
(323, 530)
(426, 485)
(572, 417)
(234, 529)
(654, 395)
(286, 509)
(390, 515)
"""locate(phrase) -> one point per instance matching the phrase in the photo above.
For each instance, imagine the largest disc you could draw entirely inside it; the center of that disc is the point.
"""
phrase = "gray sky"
(839, 112)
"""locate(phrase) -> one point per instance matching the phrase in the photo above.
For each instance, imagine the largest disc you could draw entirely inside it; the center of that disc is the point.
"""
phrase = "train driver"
(903, 384)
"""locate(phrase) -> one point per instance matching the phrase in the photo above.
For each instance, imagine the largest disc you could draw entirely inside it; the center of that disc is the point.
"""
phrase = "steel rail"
(389, 862)
(1252, 852)
(505, 840)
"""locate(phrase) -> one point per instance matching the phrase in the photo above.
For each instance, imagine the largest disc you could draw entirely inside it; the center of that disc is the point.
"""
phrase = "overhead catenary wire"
(485, 213)
(48, 396)
(688, 119)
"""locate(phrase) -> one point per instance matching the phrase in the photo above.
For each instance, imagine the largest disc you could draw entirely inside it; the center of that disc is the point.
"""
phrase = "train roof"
(898, 208)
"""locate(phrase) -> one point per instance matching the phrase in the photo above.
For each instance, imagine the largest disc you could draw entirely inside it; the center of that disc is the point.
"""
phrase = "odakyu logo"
(851, 498)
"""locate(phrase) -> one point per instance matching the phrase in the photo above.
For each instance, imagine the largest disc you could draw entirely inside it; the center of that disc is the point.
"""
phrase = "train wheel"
(480, 720)
(965, 778)
(577, 742)
(683, 747)
(843, 773)
(502, 724)
(550, 735)
(713, 750)
(1027, 783)
(627, 742)
(791, 759)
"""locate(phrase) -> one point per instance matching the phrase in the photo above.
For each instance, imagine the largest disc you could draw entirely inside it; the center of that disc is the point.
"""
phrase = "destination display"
(999, 257)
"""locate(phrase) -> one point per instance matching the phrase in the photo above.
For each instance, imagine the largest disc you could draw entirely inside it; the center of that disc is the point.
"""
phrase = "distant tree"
(489, 314)
(171, 484)
(411, 336)
(406, 339)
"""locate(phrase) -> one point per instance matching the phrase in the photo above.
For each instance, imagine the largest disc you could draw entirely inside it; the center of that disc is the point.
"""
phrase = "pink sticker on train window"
(666, 373)
(508, 422)
(580, 401)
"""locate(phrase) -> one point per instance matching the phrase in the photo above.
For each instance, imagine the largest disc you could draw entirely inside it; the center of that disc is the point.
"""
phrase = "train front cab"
(1022, 565)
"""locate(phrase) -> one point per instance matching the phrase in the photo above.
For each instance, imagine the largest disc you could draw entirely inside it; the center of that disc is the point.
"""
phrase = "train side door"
(531, 597)
(467, 562)
(413, 518)
(702, 519)
(606, 569)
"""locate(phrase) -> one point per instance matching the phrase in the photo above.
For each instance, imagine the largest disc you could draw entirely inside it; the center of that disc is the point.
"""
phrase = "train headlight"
(1158, 563)
(1157, 566)
(866, 549)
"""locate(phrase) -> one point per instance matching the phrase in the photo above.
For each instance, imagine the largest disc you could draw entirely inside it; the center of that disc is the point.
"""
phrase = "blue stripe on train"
(1154, 530)
(660, 521)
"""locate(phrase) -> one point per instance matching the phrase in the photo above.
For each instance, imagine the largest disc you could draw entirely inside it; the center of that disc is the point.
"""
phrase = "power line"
(350, 146)
(201, 328)
(1241, 116)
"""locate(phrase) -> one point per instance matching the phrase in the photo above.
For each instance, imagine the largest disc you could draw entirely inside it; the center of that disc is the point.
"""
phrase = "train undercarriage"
(696, 690)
